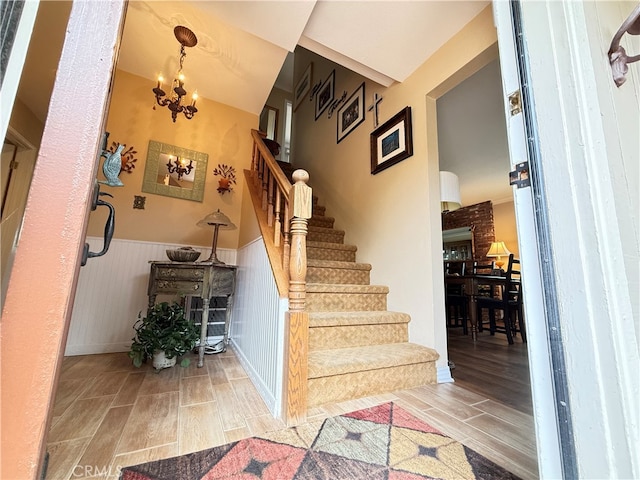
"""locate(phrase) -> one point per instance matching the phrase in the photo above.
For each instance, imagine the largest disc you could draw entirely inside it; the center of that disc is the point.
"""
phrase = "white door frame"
(541, 357)
(43, 282)
(571, 214)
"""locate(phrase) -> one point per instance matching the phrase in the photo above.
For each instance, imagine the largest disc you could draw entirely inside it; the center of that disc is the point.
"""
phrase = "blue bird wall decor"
(112, 166)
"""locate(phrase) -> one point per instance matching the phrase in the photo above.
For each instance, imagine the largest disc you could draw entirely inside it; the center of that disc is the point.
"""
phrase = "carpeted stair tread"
(326, 363)
(313, 262)
(318, 210)
(334, 246)
(321, 221)
(340, 271)
(335, 319)
(323, 234)
(338, 288)
(314, 228)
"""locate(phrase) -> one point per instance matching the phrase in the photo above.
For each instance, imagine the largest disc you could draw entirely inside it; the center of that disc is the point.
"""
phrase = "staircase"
(356, 347)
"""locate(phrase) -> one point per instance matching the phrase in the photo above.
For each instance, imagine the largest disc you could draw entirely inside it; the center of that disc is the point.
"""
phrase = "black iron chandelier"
(179, 166)
(174, 102)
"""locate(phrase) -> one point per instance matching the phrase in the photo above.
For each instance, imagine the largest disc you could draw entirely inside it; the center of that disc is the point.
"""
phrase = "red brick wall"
(480, 218)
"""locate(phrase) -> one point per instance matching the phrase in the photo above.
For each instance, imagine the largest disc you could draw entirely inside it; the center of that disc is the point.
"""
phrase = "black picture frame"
(303, 86)
(325, 94)
(351, 114)
(392, 141)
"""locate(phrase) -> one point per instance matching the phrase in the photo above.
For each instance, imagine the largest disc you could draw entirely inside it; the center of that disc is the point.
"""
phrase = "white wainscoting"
(112, 290)
(257, 325)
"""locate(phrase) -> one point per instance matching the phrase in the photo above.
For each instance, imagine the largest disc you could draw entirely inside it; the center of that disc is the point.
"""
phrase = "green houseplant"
(164, 329)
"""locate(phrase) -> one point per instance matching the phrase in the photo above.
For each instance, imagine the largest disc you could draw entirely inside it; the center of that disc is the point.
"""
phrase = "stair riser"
(346, 302)
(372, 382)
(343, 276)
(331, 254)
(327, 338)
(321, 221)
(331, 236)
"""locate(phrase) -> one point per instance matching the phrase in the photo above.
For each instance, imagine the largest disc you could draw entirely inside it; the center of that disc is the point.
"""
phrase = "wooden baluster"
(260, 171)
(270, 192)
(286, 250)
(254, 158)
(297, 319)
(265, 183)
(277, 231)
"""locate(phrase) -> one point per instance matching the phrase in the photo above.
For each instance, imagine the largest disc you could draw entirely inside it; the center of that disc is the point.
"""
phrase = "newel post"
(297, 348)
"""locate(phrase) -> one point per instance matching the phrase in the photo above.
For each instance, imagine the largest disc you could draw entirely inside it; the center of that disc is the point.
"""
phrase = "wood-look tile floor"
(108, 414)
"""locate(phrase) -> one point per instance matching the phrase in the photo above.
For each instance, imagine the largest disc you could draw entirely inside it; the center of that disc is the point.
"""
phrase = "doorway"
(472, 144)
(47, 263)
(18, 161)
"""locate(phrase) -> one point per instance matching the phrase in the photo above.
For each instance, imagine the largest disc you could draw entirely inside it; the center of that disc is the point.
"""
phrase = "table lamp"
(219, 221)
(497, 250)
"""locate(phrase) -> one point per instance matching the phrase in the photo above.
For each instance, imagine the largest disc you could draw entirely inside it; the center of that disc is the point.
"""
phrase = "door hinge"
(515, 103)
(520, 176)
(13, 164)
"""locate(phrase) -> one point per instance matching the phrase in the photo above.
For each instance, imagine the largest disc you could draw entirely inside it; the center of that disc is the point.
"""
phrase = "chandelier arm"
(162, 101)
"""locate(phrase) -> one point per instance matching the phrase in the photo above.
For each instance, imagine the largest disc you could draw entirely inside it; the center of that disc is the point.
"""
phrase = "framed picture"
(175, 171)
(391, 142)
(302, 87)
(351, 114)
(325, 95)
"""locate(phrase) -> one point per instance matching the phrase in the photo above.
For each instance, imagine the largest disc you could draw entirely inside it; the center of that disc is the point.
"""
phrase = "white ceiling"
(244, 50)
(242, 45)
(472, 137)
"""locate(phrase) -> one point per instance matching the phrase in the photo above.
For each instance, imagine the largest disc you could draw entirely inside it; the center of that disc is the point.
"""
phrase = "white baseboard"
(73, 350)
(444, 375)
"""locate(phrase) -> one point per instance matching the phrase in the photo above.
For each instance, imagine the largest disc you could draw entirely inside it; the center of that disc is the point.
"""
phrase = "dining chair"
(509, 303)
(456, 301)
(483, 290)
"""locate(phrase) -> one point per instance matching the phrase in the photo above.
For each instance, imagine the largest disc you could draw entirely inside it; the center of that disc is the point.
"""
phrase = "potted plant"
(164, 334)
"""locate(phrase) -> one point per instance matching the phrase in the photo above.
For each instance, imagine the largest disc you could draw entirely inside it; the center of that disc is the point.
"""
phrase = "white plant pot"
(160, 360)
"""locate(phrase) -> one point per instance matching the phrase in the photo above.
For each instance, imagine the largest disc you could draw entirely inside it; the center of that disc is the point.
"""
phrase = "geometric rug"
(378, 443)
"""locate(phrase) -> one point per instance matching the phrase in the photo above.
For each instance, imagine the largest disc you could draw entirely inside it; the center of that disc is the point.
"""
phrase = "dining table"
(472, 285)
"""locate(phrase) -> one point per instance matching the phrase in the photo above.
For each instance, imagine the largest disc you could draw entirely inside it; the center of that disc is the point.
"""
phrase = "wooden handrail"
(283, 213)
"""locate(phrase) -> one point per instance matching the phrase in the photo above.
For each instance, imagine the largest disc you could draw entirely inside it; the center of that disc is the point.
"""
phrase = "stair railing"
(284, 211)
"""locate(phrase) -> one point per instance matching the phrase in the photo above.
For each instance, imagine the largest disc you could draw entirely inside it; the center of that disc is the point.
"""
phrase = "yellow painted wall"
(224, 133)
(393, 217)
(504, 224)
(25, 123)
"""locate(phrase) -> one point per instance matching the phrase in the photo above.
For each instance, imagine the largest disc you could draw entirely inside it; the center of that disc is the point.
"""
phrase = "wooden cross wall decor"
(376, 100)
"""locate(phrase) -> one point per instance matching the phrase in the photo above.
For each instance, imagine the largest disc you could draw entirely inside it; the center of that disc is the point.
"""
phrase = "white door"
(585, 194)
(41, 290)
(546, 416)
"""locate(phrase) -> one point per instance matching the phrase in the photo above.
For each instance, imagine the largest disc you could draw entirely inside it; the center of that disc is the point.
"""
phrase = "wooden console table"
(199, 279)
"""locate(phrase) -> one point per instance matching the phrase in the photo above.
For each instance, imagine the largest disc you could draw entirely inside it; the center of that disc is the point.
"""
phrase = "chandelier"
(180, 166)
(174, 102)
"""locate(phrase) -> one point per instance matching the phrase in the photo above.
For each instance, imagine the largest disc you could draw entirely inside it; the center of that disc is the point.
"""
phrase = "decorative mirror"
(175, 171)
(269, 122)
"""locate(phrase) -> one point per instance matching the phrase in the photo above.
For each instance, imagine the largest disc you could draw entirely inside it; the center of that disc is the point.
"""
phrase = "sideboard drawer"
(177, 286)
(170, 273)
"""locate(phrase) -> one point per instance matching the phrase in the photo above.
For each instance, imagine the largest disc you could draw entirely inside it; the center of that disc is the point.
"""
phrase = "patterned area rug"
(378, 443)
